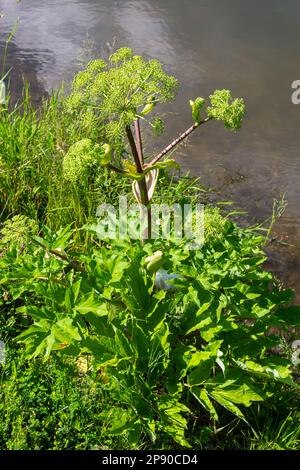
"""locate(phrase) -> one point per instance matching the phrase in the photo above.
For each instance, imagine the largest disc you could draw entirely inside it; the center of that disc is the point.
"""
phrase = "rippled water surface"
(249, 47)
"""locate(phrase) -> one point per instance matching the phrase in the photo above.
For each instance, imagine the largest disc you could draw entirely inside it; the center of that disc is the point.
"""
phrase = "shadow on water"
(249, 47)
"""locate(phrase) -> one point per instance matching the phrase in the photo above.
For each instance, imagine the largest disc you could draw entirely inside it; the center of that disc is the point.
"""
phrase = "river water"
(251, 47)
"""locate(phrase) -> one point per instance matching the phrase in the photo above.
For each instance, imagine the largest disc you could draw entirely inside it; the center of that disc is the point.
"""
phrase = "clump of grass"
(215, 224)
(278, 434)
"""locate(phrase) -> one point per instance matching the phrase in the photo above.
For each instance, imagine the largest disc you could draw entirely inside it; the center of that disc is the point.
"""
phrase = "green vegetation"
(124, 344)
(116, 95)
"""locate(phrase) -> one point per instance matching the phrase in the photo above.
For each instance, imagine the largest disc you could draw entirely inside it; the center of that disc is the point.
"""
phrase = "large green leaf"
(202, 397)
(103, 350)
(241, 394)
(172, 420)
(274, 368)
(91, 305)
(204, 362)
(230, 406)
(202, 372)
(65, 331)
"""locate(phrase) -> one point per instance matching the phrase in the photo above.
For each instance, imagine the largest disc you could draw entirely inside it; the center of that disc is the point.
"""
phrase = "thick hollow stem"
(177, 141)
(137, 157)
(134, 151)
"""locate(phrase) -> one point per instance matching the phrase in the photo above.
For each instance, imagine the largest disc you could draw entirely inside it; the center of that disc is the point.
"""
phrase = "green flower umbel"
(225, 108)
(120, 90)
(83, 155)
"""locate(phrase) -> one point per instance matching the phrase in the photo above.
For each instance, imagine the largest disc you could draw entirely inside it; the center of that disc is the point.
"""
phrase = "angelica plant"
(81, 156)
(116, 95)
